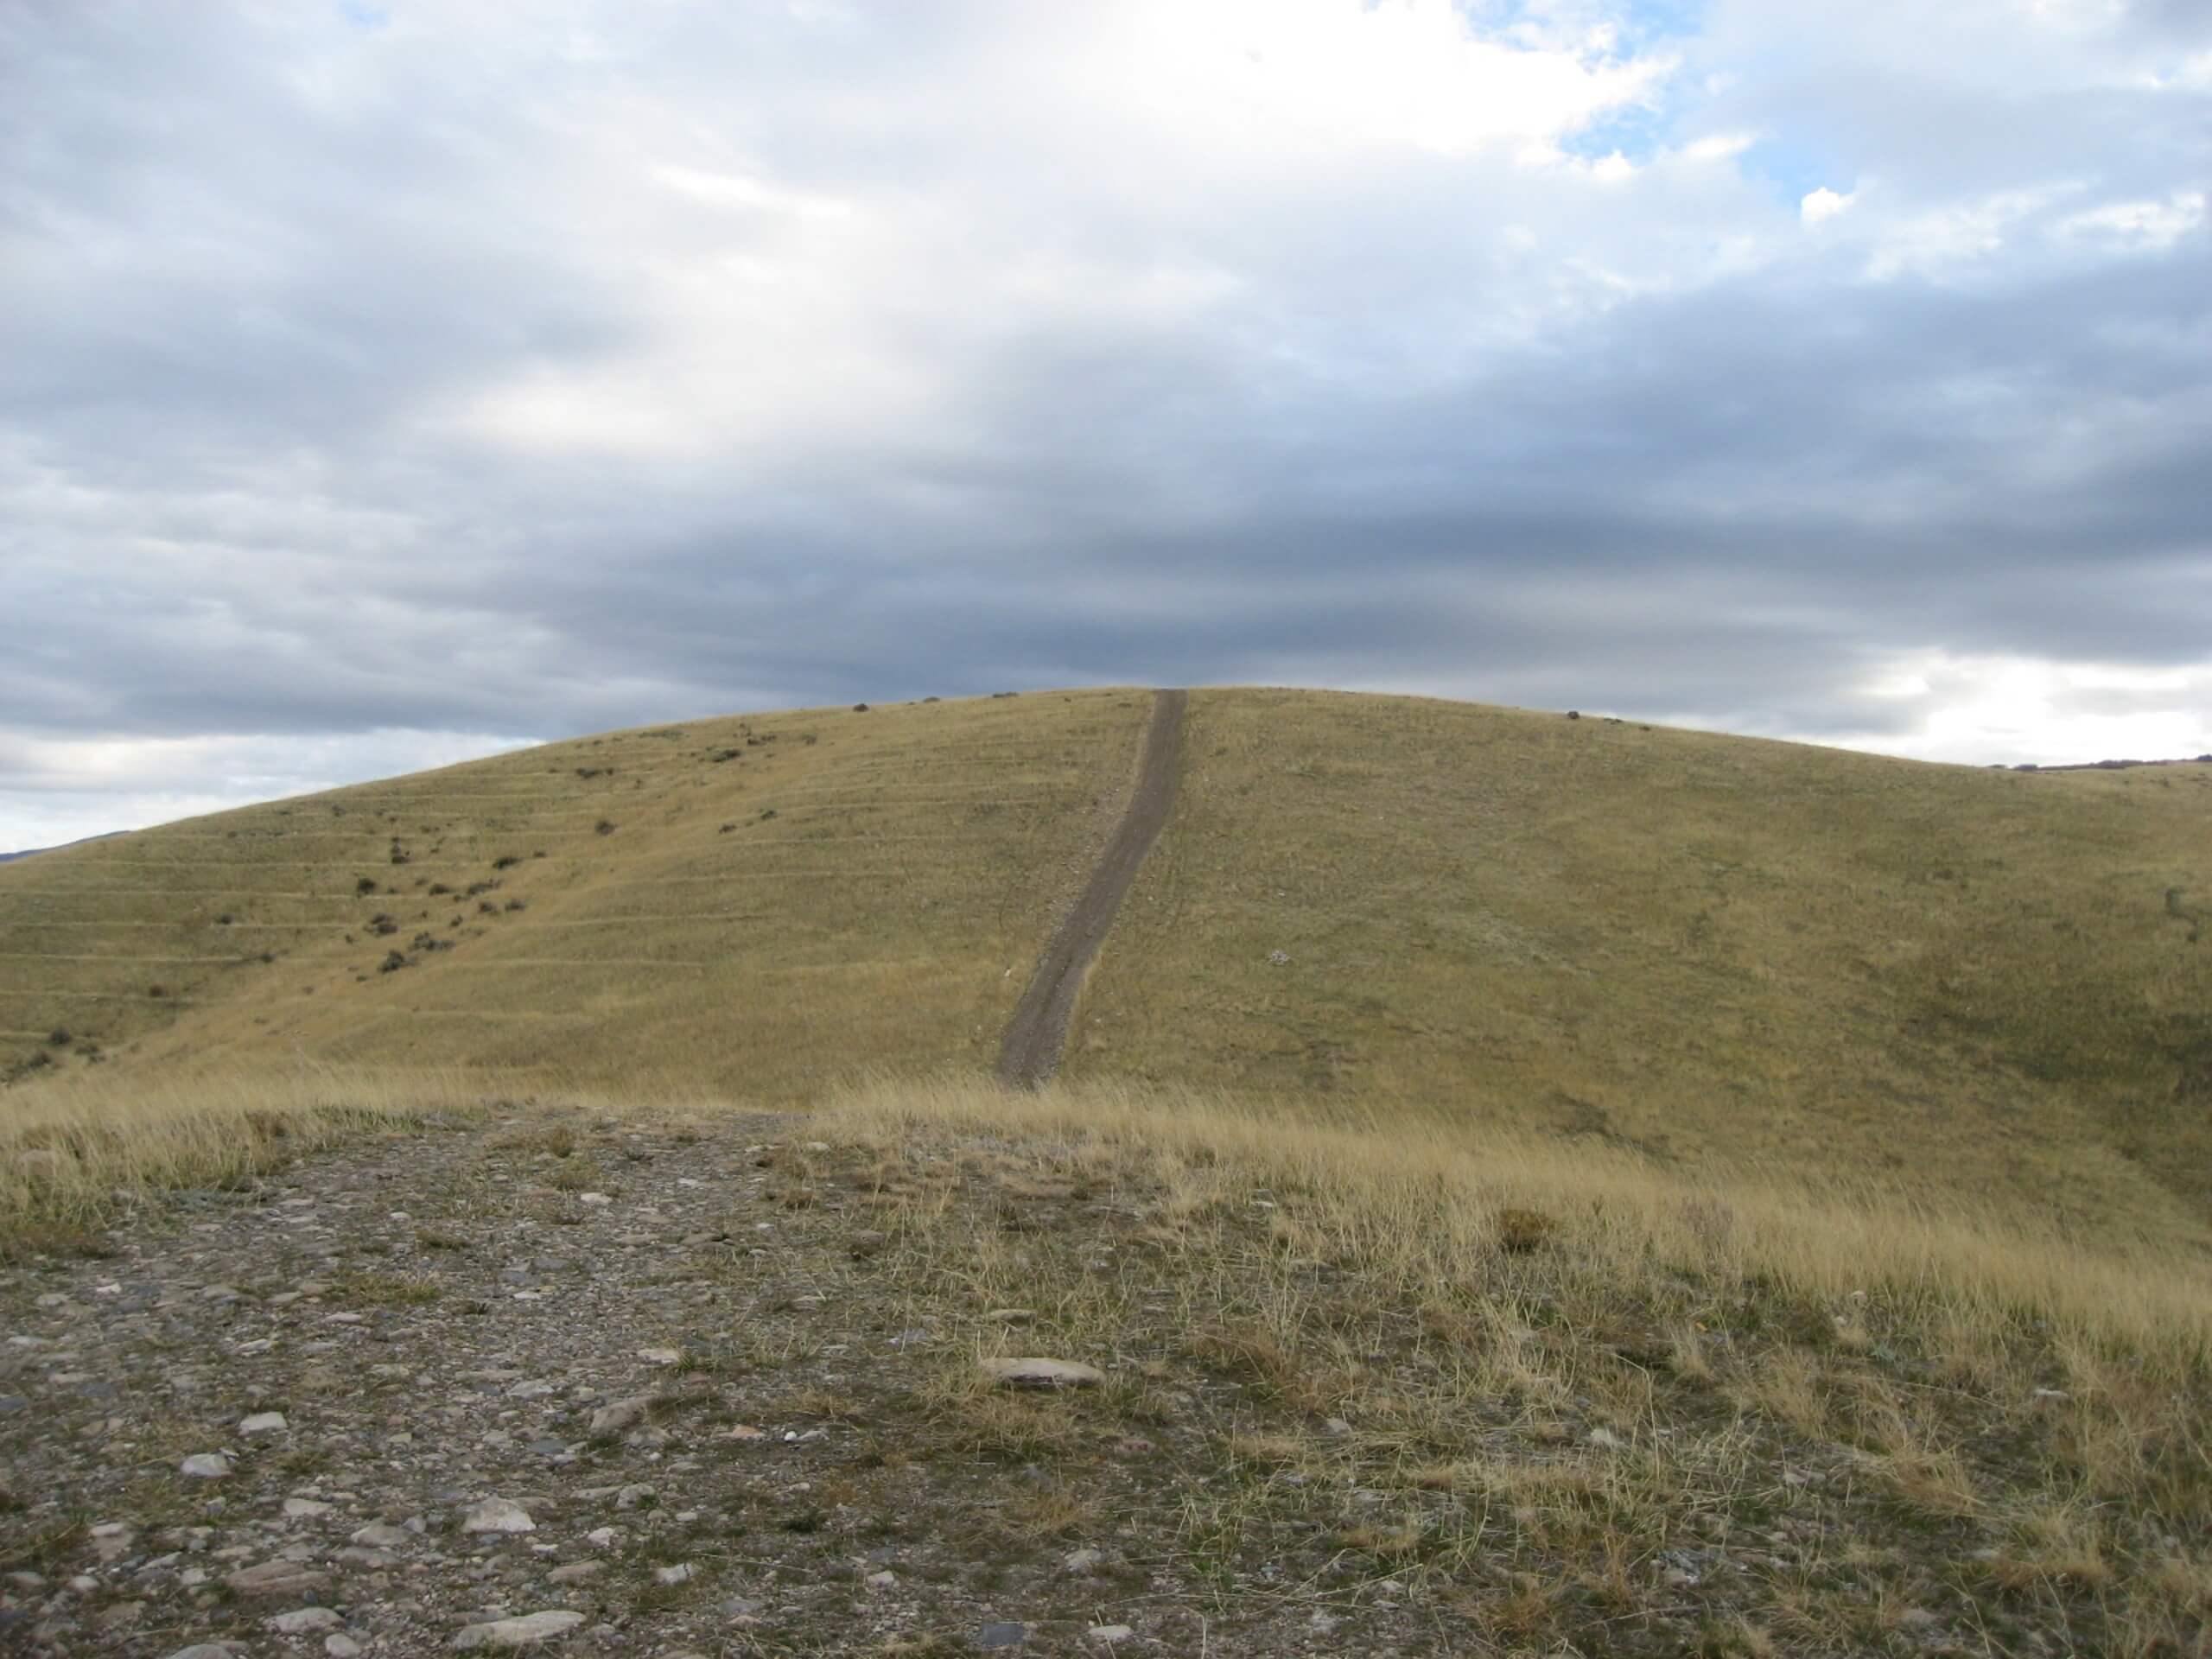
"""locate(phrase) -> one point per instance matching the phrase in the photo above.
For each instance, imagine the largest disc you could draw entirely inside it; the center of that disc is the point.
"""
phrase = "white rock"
(206, 1465)
(302, 1620)
(340, 1647)
(521, 1632)
(1111, 1633)
(381, 1535)
(660, 1356)
(880, 1580)
(1038, 1373)
(497, 1515)
(679, 1573)
(593, 1198)
(264, 1422)
(206, 1651)
(602, 1536)
(1082, 1561)
(1606, 1438)
(304, 1509)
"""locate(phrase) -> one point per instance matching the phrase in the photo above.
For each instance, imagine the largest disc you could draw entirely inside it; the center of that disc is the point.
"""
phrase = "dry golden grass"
(781, 899)
(1420, 1200)
(1687, 943)
(1728, 1407)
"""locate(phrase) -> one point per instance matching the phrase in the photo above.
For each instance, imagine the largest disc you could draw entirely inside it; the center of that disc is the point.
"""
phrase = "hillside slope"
(1683, 942)
(1686, 945)
(749, 905)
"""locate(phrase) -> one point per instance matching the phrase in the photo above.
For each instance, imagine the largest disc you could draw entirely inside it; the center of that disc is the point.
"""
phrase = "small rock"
(498, 1515)
(303, 1621)
(264, 1422)
(1110, 1634)
(592, 1198)
(278, 1578)
(633, 1494)
(304, 1509)
(1008, 1635)
(1038, 1373)
(1606, 1438)
(340, 1647)
(679, 1573)
(206, 1651)
(206, 1465)
(379, 1535)
(1083, 1561)
(617, 1415)
(1012, 1315)
(520, 1633)
(880, 1580)
(660, 1356)
(577, 1571)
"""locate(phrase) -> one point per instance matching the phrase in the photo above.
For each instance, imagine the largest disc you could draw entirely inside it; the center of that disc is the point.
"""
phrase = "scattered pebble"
(1038, 1373)
(497, 1515)
(520, 1633)
(304, 1621)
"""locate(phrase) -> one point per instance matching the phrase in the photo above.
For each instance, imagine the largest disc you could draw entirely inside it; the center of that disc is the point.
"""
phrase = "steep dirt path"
(1038, 1029)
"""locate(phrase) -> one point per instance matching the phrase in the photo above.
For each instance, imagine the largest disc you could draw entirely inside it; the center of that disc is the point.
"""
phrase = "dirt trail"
(1038, 1030)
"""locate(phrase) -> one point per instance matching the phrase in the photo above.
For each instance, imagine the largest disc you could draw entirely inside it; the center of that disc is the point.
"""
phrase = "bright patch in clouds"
(1824, 203)
(2017, 710)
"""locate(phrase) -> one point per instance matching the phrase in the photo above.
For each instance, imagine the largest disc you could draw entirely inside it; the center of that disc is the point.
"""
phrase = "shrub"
(58, 1037)
(393, 961)
(1520, 1231)
(506, 861)
(605, 827)
(365, 887)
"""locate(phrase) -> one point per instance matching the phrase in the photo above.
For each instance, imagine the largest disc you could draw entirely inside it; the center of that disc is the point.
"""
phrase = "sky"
(386, 384)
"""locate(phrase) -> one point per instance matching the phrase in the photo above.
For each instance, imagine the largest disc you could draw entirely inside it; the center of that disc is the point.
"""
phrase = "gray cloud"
(447, 377)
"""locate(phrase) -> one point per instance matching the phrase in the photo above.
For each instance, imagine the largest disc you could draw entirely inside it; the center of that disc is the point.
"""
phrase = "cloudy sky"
(386, 383)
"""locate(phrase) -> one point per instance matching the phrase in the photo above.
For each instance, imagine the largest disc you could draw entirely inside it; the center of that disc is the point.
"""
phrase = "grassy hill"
(1686, 945)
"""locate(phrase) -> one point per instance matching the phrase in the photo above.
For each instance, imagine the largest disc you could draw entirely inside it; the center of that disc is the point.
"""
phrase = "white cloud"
(1823, 204)
(1981, 709)
(2136, 226)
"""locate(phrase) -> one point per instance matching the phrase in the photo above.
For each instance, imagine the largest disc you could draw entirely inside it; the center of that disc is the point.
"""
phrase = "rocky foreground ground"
(606, 1389)
(553, 1379)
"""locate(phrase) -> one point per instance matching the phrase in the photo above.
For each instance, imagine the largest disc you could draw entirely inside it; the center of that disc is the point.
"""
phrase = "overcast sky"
(384, 384)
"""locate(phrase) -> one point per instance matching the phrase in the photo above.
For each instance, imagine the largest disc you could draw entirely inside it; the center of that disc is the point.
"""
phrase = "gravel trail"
(1038, 1031)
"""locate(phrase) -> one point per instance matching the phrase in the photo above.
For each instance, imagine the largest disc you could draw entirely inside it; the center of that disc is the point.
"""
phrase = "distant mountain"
(32, 851)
